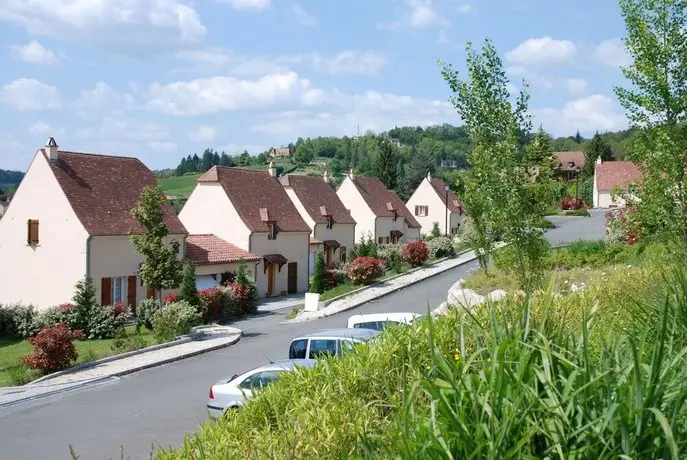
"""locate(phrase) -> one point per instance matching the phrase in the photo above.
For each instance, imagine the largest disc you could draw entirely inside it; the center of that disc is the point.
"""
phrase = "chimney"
(51, 149)
(598, 160)
(272, 170)
(326, 176)
(351, 174)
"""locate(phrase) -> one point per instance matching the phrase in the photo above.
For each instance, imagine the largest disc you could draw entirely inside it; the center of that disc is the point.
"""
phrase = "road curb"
(362, 302)
(74, 387)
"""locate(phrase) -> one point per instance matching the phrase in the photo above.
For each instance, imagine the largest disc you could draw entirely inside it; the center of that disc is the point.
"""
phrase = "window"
(259, 380)
(32, 232)
(322, 347)
(273, 232)
(342, 254)
(297, 350)
(394, 239)
(422, 210)
(330, 222)
(346, 346)
(395, 215)
(119, 290)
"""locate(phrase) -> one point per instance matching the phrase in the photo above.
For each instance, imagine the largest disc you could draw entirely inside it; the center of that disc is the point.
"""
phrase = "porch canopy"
(331, 243)
(396, 233)
(274, 259)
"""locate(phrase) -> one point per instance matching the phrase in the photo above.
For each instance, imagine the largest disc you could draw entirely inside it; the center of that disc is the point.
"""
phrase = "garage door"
(205, 282)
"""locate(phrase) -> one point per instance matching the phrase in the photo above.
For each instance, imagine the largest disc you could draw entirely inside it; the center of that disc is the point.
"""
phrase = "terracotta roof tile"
(453, 202)
(564, 158)
(251, 192)
(315, 194)
(103, 189)
(611, 174)
(210, 249)
(376, 195)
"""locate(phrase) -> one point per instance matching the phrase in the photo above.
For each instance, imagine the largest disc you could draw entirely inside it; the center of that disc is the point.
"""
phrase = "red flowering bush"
(621, 225)
(243, 296)
(67, 306)
(170, 298)
(335, 277)
(212, 302)
(568, 203)
(53, 349)
(120, 309)
(364, 270)
(415, 254)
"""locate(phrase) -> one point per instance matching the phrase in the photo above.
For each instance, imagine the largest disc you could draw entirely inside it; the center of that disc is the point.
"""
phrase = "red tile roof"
(210, 249)
(376, 195)
(318, 198)
(453, 202)
(256, 196)
(103, 189)
(612, 174)
(566, 157)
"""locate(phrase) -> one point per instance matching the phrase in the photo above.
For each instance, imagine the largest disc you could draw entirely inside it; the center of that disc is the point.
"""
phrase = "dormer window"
(272, 235)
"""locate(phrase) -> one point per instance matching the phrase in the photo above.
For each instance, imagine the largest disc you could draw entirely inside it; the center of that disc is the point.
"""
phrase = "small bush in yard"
(391, 255)
(211, 303)
(18, 321)
(441, 247)
(243, 297)
(364, 270)
(170, 298)
(335, 277)
(319, 278)
(621, 226)
(175, 319)
(189, 291)
(53, 349)
(569, 203)
(105, 322)
(84, 301)
(415, 254)
(145, 312)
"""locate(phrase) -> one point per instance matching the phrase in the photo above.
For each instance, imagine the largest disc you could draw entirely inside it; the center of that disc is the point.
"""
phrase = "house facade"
(610, 176)
(569, 164)
(433, 202)
(377, 211)
(333, 227)
(276, 153)
(217, 260)
(70, 217)
(252, 211)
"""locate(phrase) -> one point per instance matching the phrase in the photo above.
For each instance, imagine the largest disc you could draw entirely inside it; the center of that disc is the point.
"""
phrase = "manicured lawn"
(180, 187)
(89, 350)
(339, 290)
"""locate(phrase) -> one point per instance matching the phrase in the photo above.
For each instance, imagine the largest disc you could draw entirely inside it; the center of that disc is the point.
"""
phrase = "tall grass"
(532, 378)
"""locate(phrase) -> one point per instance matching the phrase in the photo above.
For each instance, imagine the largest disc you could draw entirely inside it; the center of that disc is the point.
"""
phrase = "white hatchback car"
(232, 393)
(332, 342)
(379, 321)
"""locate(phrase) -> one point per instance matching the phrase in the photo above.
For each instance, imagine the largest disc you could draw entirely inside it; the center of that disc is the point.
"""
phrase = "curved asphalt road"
(158, 406)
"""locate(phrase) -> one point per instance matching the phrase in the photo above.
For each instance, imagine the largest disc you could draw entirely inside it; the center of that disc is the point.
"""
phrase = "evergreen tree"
(385, 164)
(207, 160)
(226, 160)
(215, 159)
(196, 163)
(578, 137)
(189, 291)
(84, 303)
(595, 149)
(319, 281)
(420, 164)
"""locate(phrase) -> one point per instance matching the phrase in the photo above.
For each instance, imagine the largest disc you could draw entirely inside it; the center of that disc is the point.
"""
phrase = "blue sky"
(160, 79)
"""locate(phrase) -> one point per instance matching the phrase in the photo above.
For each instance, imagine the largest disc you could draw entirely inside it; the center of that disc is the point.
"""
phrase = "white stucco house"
(252, 211)
(70, 217)
(612, 175)
(432, 202)
(333, 227)
(217, 260)
(378, 212)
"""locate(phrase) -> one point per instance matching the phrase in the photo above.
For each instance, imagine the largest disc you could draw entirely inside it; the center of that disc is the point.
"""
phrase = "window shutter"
(131, 293)
(150, 293)
(417, 210)
(32, 232)
(427, 210)
(105, 291)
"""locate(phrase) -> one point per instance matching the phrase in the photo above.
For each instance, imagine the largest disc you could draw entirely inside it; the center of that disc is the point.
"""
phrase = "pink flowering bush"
(170, 298)
(621, 225)
(364, 270)
(415, 254)
(53, 349)
(212, 303)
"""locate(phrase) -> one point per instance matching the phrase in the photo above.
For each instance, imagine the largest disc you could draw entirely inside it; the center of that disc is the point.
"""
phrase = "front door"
(328, 256)
(293, 277)
(270, 280)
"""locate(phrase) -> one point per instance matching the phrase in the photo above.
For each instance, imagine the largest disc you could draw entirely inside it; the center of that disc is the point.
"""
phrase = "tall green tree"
(189, 290)
(497, 190)
(540, 160)
(656, 105)
(385, 164)
(578, 137)
(595, 148)
(208, 157)
(319, 279)
(420, 164)
(162, 267)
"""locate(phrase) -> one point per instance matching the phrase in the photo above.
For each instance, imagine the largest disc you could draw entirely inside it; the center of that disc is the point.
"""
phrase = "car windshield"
(260, 379)
(297, 349)
(322, 347)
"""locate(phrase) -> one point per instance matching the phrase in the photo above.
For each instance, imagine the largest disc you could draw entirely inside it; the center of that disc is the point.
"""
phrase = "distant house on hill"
(283, 152)
(610, 176)
(569, 164)
(449, 163)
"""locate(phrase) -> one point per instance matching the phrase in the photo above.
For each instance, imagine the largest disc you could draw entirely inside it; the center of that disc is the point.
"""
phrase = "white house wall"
(209, 211)
(360, 211)
(344, 234)
(295, 246)
(43, 275)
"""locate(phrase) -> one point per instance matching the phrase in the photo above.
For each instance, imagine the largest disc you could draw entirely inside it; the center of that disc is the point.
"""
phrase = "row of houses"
(71, 216)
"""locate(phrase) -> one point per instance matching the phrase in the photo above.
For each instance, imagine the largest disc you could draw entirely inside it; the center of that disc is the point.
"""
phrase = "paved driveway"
(160, 405)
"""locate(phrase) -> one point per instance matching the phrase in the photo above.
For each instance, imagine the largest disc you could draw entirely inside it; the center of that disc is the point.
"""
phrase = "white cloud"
(420, 14)
(129, 26)
(542, 52)
(588, 114)
(237, 149)
(577, 85)
(15, 155)
(466, 8)
(303, 17)
(27, 94)
(102, 99)
(536, 79)
(40, 128)
(34, 53)
(218, 94)
(442, 37)
(345, 62)
(245, 5)
(612, 52)
(204, 134)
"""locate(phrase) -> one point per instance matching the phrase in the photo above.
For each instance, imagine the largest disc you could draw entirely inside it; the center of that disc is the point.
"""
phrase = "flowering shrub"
(391, 255)
(335, 277)
(621, 226)
(105, 322)
(18, 321)
(242, 297)
(53, 349)
(212, 303)
(567, 203)
(170, 298)
(364, 270)
(175, 319)
(441, 247)
(120, 309)
(415, 254)
(145, 312)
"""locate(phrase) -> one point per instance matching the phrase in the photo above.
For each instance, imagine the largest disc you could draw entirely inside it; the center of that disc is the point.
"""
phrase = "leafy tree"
(436, 232)
(595, 148)
(656, 103)
(189, 291)
(539, 158)
(162, 267)
(319, 279)
(226, 160)
(420, 164)
(385, 164)
(497, 186)
(244, 159)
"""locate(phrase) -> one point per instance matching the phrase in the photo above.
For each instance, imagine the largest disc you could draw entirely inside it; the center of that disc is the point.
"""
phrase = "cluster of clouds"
(282, 101)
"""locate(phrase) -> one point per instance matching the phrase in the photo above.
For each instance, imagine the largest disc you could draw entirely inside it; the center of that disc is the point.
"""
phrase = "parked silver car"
(232, 393)
(328, 342)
